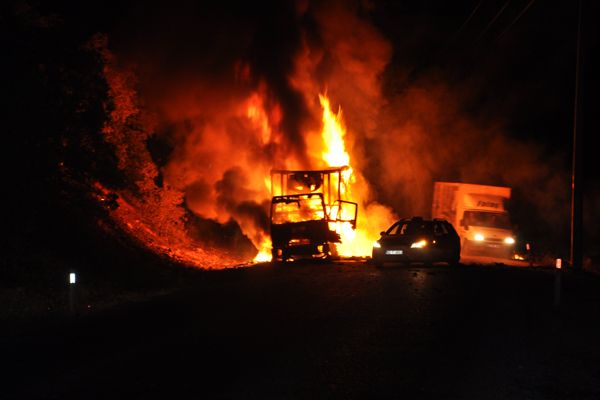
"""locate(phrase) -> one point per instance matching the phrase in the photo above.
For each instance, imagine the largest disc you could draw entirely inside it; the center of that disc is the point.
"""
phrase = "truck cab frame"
(305, 211)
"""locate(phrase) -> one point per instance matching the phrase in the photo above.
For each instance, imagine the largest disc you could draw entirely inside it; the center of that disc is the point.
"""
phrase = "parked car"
(418, 240)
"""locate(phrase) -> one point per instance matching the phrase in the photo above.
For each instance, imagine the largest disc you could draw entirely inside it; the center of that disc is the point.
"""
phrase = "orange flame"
(264, 251)
(333, 133)
(355, 242)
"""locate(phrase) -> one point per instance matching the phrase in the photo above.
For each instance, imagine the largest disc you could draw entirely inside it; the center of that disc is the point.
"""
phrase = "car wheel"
(454, 260)
(279, 259)
(325, 259)
(278, 262)
(274, 253)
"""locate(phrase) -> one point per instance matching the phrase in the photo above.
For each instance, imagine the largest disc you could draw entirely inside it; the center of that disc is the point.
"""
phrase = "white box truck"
(479, 215)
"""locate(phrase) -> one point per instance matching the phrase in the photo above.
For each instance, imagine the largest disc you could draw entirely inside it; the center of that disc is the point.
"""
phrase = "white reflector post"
(72, 290)
(557, 282)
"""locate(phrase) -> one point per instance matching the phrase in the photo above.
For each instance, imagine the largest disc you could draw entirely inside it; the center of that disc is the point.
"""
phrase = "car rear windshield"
(411, 228)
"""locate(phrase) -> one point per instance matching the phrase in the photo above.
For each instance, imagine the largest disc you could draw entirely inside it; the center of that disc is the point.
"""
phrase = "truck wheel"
(276, 262)
(466, 247)
(332, 250)
(277, 259)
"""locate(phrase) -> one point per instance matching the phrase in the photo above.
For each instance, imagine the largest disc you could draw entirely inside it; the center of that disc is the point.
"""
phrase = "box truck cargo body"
(479, 215)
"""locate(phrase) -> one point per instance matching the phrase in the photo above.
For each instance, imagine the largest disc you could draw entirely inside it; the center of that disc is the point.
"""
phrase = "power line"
(467, 20)
(523, 11)
(493, 20)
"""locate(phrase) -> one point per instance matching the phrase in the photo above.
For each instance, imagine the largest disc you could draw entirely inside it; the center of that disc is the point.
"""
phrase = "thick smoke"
(238, 201)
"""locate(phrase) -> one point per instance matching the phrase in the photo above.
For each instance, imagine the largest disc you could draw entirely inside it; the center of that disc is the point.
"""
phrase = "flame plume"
(357, 243)
(333, 133)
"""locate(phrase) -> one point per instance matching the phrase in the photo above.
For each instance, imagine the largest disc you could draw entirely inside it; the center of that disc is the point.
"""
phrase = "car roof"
(427, 224)
(421, 219)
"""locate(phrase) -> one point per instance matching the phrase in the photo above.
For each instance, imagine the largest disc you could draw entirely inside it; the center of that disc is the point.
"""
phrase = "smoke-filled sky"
(480, 92)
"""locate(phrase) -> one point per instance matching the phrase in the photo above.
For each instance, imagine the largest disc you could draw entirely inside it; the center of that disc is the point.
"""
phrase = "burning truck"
(308, 213)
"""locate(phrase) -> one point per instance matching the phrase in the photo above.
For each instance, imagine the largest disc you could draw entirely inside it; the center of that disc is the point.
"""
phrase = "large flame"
(355, 242)
(334, 153)
(264, 251)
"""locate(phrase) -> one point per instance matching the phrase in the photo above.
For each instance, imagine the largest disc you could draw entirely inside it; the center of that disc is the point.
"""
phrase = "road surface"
(325, 331)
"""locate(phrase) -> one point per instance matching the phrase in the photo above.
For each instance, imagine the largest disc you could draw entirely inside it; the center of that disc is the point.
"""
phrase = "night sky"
(520, 53)
(507, 64)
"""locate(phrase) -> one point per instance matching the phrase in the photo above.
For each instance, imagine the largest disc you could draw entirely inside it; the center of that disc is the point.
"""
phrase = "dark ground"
(324, 331)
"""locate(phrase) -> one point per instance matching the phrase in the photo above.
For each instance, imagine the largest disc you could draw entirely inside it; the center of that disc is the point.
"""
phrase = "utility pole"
(576, 173)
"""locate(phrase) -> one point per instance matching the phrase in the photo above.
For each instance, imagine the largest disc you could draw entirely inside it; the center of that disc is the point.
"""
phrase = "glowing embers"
(131, 218)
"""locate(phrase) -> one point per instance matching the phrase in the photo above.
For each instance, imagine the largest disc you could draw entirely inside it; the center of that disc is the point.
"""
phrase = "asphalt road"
(312, 331)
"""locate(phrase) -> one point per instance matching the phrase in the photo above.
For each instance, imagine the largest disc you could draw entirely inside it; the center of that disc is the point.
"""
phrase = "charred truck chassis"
(306, 238)
(307, 203)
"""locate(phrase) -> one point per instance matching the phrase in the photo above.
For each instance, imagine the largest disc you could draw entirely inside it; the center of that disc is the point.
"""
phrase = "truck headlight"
(418, 245)
(376, 245)
(479, 237)
(509, 240)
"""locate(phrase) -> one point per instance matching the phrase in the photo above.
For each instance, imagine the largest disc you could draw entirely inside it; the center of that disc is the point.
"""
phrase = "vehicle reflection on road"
(493, 260)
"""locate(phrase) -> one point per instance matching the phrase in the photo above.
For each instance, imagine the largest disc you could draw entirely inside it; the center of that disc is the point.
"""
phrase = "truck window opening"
(305, 209)
(487, 219)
